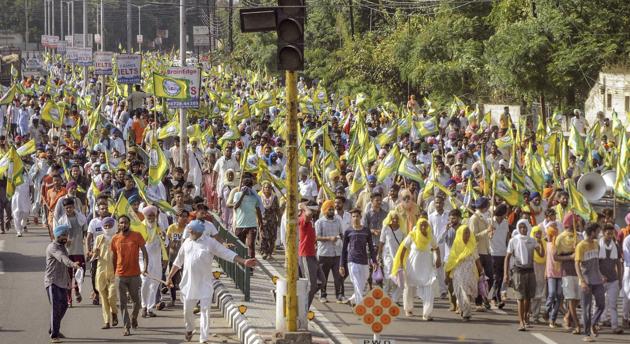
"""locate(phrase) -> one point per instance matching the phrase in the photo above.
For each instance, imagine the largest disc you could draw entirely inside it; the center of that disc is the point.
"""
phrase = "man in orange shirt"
(51, 198)
(137, 128)
(125, 246)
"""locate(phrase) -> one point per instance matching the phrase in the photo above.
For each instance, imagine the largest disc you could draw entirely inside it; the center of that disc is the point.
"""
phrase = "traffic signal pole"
(291, 304)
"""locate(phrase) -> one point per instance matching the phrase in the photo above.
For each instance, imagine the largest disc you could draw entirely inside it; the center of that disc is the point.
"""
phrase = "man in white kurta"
(156, 252)
(195, 259)
(21, 205)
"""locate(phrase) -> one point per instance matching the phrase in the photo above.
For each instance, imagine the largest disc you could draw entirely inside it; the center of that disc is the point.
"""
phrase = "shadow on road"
(17, 262)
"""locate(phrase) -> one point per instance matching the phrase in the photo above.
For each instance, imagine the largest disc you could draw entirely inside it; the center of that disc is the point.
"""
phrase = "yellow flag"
(171, 129)
(578, 203)
(169, 87)
(12, 167)
(389, 165)
(622, 181)
(52, 113)
(27, 149)
(359, 180)
(157, 163)
(7, 98)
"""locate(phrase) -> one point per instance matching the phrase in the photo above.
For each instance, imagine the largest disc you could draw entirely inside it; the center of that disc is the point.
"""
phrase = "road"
(494, 326)
(25, 312)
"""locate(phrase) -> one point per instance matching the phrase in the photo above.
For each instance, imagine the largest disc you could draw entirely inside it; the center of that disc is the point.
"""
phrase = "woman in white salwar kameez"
(416, 255)
(195, 260)
(464, 268)
(21, 205)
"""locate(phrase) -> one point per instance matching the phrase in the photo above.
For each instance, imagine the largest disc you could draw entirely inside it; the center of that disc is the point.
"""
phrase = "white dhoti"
(21, 206)
(625, 292)
(148, 291)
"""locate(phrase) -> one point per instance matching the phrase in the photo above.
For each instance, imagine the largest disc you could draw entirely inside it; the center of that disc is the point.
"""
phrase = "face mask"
(109, 232)
(62, 241)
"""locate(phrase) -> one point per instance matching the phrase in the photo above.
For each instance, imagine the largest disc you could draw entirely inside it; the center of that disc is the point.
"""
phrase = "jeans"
(554, 297)
(588, 317)
(327, 265)
(132, 285)
(57, 299)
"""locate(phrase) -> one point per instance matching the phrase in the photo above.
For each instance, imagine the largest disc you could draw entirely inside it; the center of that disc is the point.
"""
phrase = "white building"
(610, 93)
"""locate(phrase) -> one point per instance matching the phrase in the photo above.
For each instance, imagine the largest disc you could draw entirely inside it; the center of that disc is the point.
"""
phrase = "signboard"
(49, 41)
(97, 38)
(103, 64)
(72, 55)
(61, 47)
(139, 39)
(193, 75)
(70, 41)
(201, 41)
(78, 40)
(84, 56)
(201, 30)
(33, 65)
(129, 67)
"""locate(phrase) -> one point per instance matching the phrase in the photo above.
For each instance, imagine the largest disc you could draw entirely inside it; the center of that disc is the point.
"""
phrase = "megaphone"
(610, 177)
(592, 186)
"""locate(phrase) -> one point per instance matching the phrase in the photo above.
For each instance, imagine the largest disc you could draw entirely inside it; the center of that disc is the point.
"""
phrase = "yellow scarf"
(538, 259)
(420, 240)
(565, 242)
(460, 249)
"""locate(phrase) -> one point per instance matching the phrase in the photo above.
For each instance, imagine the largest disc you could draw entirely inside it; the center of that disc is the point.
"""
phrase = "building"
(610, 93)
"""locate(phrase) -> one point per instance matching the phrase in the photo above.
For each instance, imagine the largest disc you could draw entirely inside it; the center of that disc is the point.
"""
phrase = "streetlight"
(139, 7)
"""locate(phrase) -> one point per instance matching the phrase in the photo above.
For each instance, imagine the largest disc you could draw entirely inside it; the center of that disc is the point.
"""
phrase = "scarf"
(420, 240)
(521, 252)
(603, 247)
(460, 250)
(538, 259)
(565, 242)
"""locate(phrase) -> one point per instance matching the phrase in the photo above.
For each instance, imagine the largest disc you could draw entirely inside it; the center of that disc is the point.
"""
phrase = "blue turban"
(450, 182)
(481, 203)
(109, 221)
(534, 195)
(61, 230)
(197, 226)
(134, 198)
(371, 178)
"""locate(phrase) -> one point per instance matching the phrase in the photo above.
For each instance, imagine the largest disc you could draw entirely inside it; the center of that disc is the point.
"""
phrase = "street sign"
(61, 47)
(193, 75)
(70, 41)
(84, 57)
(97, 38)
(33, 65)
(72, 55)
(201, 30)
(201, 41)
(78, 40)
(103, 63)
(129, 67)
(139, 39)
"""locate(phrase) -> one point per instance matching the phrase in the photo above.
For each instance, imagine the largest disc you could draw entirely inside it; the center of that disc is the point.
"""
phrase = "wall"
(616, 87)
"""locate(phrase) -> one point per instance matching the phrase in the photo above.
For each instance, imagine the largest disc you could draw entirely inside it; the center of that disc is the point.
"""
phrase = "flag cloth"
(52, 113)
(427, 127)
(158, 166)
(505, 141)
(359, 180)
(504, 190)
(232, 134)
(11, 167)
(169, 87)
(27, 149)
(409, 170)
(389, 165)
(122, 207)
(7, 98)
(171, 129)
(576, 142)
(578, 203)
(622, 181)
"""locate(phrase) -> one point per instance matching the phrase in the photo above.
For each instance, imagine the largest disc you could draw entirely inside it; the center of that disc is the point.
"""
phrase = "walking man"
(57, 280)
(125, 247)
(195, 260)
(591, 281)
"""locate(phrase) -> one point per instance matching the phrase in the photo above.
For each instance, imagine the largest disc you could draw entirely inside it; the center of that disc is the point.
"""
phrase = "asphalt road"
(494, 326)
(25, 311)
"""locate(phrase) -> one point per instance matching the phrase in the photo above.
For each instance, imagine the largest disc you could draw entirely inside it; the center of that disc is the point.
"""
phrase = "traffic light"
(290, 28)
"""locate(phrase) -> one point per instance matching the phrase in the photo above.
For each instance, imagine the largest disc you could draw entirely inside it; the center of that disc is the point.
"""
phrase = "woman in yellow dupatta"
(408, 211)
(464, 268)
(416, 255)
(539, 271)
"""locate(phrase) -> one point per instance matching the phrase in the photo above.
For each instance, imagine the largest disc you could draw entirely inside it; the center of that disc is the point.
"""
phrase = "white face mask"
(109, 232)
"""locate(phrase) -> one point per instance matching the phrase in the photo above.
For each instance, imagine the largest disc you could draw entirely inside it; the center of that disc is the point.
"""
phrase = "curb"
(245, 331)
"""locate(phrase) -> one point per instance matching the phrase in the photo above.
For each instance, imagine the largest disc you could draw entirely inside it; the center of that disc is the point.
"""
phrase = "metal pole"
(139, 27)
(102, 30)
(26, 8)
(182, 57)
(292, 158)
(61, 20)
(128, 26)
(52, 10)
(230, 30)
(85, 31)
(97, 20)
(45, 17)
(72, 14)
(68, 17)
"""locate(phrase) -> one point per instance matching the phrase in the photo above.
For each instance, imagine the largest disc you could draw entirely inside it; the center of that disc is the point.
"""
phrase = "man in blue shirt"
(248, 215)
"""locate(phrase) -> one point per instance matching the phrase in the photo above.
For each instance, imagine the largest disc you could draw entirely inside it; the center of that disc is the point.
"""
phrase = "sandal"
(522, 328)
(188, 336)
(576, 331)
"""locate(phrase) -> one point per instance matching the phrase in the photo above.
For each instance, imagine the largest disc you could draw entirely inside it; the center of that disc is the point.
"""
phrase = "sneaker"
(588, 339)
(19, 235)
(342, 299)
(55, 340)
(323, 299)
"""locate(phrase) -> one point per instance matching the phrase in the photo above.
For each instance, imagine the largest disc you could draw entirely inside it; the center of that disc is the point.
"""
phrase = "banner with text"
(103, 64)
(129, 67)
(193, 75)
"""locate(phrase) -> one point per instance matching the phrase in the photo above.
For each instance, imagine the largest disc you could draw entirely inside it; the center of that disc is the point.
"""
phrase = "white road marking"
(543, 338)
(335, 333)
(1, 263)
